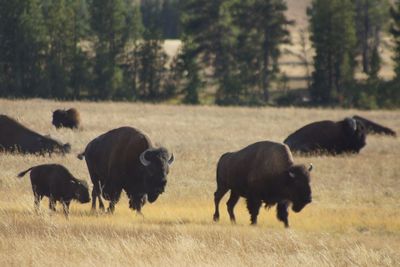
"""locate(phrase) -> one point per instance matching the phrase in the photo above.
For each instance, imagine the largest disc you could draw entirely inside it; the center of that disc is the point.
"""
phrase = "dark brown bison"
(373, 127)
(14, 137)
(125, 159)
(262, 173)
(69, 118)
(345, 136)
(58, 184)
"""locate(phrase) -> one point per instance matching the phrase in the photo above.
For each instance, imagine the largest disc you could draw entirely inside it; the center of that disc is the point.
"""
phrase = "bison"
(345, 136)
(69, 118)
(262, 172)
(125, 159)
(58, 184)
(14, 137)
(373, 127)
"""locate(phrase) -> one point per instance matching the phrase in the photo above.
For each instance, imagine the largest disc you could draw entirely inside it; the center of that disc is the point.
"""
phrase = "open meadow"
(354, 219)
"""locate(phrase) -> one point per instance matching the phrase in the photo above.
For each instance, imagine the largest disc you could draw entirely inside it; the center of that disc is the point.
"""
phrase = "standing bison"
(262, 172)
(58, 184)
(66, 118)
(125, 159)
(345, 136)
(14, 137)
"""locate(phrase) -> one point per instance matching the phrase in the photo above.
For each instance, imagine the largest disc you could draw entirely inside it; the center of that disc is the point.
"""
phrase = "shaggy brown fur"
(115, 164)
(66, 118)
(58, 184)
(262, 172)
(345, 136)
(14, 137)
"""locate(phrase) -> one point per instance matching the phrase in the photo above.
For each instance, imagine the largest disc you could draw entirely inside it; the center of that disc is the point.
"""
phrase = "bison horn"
(143, 160)
(291, 174)
(310, 168)
(171, 159)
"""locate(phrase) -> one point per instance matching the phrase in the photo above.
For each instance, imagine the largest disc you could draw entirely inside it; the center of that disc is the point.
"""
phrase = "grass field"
(354, 219)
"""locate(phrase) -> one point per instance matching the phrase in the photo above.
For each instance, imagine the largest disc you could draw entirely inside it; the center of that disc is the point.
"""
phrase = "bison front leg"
(111, 207)
(52, 204)
(233, 199)
(253, 205)
(282, 213)
(66, 208)
(218, 195)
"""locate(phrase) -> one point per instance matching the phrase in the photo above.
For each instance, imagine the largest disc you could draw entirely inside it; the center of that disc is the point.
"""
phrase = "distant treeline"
(113, 49)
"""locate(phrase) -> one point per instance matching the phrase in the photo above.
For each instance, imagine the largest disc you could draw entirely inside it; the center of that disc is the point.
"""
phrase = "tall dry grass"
(354, 218)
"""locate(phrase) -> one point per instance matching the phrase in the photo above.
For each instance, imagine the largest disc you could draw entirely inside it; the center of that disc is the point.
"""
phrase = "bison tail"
(21, 174)
(81, 156)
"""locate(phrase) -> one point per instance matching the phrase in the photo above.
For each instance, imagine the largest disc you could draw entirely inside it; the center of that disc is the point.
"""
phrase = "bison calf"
(58, 184)
(262, 173)
(66, 118)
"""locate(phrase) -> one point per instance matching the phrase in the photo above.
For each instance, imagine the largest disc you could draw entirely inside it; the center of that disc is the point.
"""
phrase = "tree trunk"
(265, 70)
(365, 45)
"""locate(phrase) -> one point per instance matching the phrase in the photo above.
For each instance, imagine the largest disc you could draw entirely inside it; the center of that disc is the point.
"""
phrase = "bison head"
(81, 190)
(58, 118)
(156, 162)
(298, 182)
(48, 144)
(356, 134)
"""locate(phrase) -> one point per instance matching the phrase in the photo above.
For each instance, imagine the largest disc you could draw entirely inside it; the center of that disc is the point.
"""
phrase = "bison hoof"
(216, 218)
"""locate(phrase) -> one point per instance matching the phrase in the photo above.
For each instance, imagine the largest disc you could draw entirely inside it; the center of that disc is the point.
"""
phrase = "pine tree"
(79, 75)
(262, 25)
(109, 25)
(61, 46)
(151, 55)
(395, 31)
(334, 40)
(372, 16)
(208, 29)
(22, 42)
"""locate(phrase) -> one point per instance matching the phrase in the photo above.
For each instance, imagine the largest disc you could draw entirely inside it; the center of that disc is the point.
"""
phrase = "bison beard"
(125, 159)
(262, 172)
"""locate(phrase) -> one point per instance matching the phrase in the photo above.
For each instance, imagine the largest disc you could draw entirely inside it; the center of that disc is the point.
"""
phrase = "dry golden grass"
(354, 218)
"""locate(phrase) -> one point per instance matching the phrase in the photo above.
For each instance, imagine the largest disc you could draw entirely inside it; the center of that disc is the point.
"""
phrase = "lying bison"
(262, 173)
(373, 127)
(15, 137)
(66, 118)
(58, 184)
(125, 159)
(345, 136)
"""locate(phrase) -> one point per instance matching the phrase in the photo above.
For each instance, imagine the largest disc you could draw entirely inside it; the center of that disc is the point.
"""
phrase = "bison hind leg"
(282, 213)
(218, 195)
(37, 201)
(233, 199)
(96, 193)
(111, 207)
